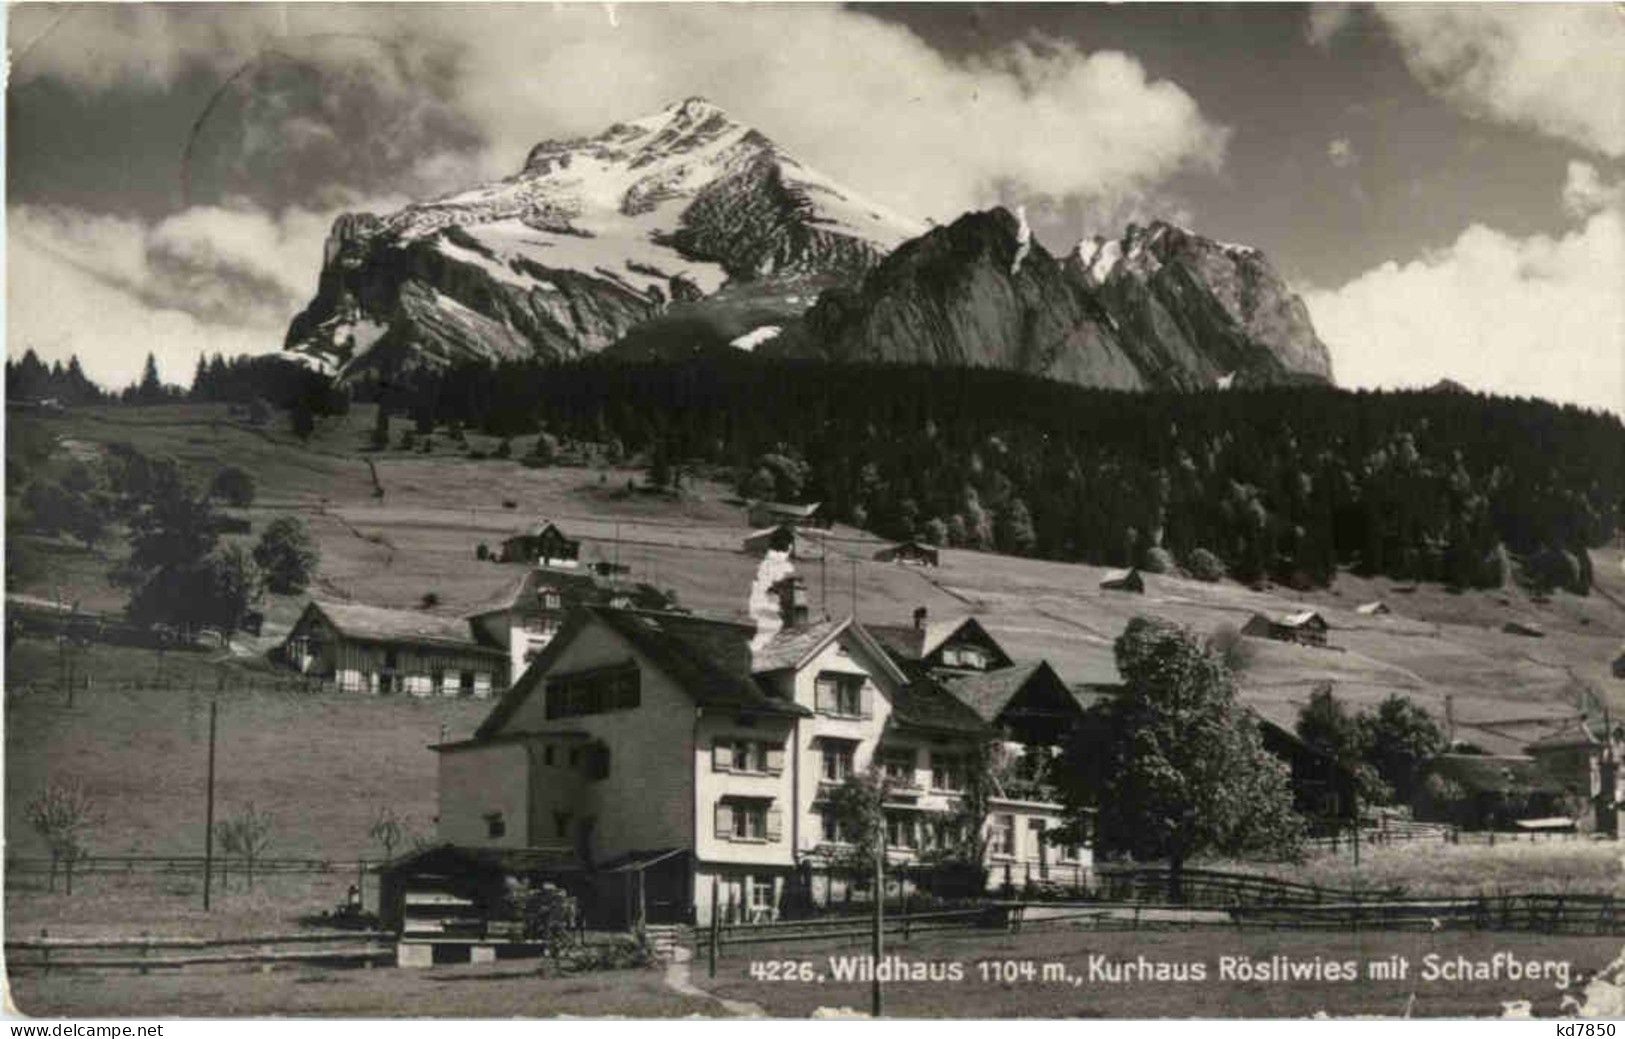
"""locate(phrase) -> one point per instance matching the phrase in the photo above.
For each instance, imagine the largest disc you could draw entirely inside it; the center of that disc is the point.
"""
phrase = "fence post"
(45, 951)
(144, 951)
(716, 924)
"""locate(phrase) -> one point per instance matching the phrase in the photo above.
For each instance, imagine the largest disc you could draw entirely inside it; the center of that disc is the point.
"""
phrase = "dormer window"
(840, 694)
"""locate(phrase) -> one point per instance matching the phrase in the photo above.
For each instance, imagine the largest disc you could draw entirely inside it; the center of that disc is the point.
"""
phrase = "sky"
(1444, 185)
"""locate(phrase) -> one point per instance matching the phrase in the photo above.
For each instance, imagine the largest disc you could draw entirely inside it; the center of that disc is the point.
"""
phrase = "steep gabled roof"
(709, 659)
(1494, 773)
(910, 642)
(793, 647)
(988, 693)
(925, 704)
(376, 624)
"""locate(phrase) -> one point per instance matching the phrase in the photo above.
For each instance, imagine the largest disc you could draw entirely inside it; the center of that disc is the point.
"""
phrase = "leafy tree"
(1016, 532)
(1182, 768)
(234, 486)
(1399, 738)
(1204, 565)
(247, 835)
(1340, 738)
(63, 814)
(215, 592)
(935, 532)
(174, 528)
(287, 554)
(859, 807)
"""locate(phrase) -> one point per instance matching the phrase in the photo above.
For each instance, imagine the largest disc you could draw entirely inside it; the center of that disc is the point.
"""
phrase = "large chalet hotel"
(710, 747)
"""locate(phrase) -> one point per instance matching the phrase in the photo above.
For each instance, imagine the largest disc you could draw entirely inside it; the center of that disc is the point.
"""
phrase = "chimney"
(919, 616)
(791, 591)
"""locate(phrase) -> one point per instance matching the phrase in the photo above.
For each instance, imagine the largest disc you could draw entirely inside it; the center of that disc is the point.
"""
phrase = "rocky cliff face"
(592, 238)
(1159, 308)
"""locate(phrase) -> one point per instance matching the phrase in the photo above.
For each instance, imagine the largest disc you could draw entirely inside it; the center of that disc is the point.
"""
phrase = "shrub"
(504, 448)
(234, 486)
(287, 555)
(1204, 565)
(482, 552)
(430, 600)
(1232, 647)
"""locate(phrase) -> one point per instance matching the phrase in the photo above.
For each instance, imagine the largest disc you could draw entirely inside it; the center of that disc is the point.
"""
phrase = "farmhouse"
(1582, 761)
(372, 650)
(1372, 609)
(773, 513)
(530, 611)
(915, 552)
(641, 736)
(926, 647)
(1306, 627)
(542, 543)
(1489, 791)
(1123, 581)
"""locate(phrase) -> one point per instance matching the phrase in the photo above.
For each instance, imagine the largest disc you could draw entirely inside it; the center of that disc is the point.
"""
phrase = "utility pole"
(875, 1001)
(208, 814)
(854, 589)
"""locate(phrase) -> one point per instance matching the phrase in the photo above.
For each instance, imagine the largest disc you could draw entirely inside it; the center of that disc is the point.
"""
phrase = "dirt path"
(680, 979)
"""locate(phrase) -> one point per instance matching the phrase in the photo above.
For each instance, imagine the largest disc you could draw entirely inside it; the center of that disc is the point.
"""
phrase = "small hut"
(1306, 627)
(1372, 609)
(914, 552)
(1123, 581)
(542, 543)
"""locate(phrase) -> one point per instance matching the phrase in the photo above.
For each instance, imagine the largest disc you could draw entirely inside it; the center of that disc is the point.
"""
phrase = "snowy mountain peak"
(592, 236)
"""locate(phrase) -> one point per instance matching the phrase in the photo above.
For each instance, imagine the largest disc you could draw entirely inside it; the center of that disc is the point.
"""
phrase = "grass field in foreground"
(1213, 997)
(502, 990)
(1433, 868)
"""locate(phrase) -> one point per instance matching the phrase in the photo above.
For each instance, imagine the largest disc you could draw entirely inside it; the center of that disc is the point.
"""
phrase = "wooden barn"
(1123, 581)
(1306, 627)
(1372, 609)
(776, 513)
(367, 649)
(544, 543)
(915, 552)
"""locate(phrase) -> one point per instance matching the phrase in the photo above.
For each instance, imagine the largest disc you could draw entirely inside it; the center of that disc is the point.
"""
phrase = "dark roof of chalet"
(1296, 619)
(538, 529)
(1494, 773)
(925, 704)
(710, 659)
(376, 624)
(790, 646)
(988, 692)
(461, 860)
(1575, 735)
(908, 642)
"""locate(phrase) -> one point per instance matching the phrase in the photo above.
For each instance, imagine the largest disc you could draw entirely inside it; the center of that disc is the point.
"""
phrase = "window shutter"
(866, 699)
(725, 821)
(775, 757)
(775, 824)
(821, 695)
(721, 756)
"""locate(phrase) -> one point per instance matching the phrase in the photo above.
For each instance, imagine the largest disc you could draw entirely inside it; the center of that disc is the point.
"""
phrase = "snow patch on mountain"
(1024, 239)
(756, 337)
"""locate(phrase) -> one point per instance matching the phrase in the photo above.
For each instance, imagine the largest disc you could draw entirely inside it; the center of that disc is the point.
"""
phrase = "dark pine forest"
(1287, 483)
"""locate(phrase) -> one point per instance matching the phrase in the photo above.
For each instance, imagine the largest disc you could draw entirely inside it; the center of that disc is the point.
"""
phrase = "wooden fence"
(130, 864)
(44, 953)
(1206, 887)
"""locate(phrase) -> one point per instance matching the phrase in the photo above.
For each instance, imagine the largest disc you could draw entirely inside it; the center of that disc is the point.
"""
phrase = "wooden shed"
(1123, 581)
(1305, 627)
(915, 552)
(542, 543)
(369, 649)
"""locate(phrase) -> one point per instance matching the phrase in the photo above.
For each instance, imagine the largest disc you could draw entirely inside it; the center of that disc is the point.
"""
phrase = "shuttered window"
(750, 757)
(725, 820)
(749, 819)
(844, 695)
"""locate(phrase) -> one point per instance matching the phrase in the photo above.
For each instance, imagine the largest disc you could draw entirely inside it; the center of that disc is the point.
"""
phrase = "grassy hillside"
(323, 763)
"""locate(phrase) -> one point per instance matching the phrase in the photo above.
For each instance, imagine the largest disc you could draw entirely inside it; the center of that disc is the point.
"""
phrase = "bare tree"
(247, 835)
(389, 829)
(62, 814)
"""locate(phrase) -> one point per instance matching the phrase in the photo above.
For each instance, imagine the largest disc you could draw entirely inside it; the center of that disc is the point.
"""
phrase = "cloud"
(1340, 151)
(866, 101)
(1326, 20)
(210, 279)
(1540, 316)
(1555, 68)
(1585, 192)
